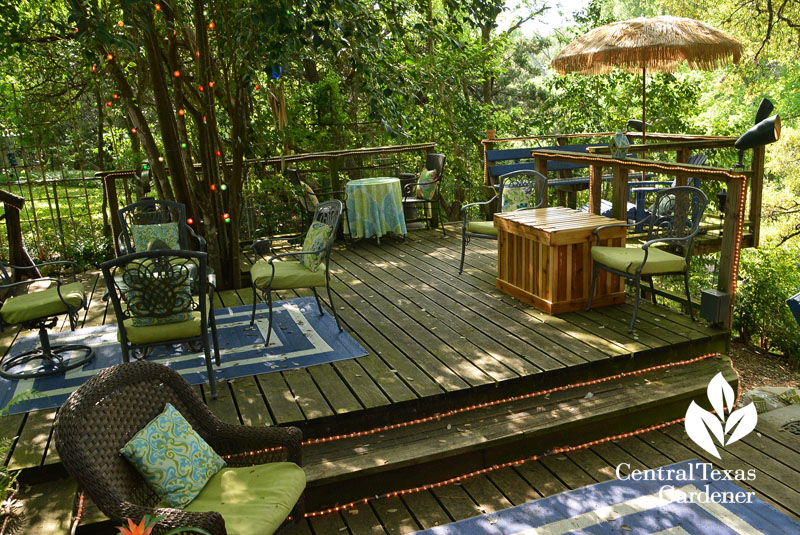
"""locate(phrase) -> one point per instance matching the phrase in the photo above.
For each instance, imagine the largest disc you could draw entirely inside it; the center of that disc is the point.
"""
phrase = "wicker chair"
(103, 414)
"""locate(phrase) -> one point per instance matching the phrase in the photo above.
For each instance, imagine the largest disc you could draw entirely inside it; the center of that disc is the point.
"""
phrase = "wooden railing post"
(540, 164)
(18, 256)
(619, 198)
(110, 185)
(595, 188)
(730, 243)
(682, 156)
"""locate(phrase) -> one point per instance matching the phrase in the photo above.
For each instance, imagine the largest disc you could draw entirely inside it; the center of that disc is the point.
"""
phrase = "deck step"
(343, 470)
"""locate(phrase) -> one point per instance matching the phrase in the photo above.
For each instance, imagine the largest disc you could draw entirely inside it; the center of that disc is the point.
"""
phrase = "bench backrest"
(521, 159)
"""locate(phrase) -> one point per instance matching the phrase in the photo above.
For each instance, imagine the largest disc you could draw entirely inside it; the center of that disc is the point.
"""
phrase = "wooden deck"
(773, 454)
(436, 340)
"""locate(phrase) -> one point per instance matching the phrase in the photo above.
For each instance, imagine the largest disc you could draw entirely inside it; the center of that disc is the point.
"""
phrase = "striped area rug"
(687, 498)
(300, 338)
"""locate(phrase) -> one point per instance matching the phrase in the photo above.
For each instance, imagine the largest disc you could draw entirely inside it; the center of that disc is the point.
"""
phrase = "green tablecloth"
(375, 207)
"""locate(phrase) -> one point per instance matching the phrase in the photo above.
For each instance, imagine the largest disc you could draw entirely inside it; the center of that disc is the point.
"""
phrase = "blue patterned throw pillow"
(426, 187)
(515, 198)
(316, 240)
(172, 457)
(167, 233)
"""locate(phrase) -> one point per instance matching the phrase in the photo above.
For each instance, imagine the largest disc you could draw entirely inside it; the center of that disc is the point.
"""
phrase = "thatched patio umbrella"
(648, 44)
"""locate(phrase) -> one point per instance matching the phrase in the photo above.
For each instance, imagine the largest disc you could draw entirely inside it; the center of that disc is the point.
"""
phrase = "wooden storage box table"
(544, 259)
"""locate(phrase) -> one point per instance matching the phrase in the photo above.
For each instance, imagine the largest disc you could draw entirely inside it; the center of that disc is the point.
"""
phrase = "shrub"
(767, 278)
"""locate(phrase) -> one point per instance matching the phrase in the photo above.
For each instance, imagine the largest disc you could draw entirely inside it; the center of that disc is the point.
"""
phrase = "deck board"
(429, 332)
(557, 473)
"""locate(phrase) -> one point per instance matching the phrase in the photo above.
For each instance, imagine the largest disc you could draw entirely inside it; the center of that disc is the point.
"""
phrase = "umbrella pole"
(644, 103)
(644, 111)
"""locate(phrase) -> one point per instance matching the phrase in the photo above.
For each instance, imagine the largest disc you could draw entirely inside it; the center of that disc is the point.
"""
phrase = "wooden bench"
(502, 161)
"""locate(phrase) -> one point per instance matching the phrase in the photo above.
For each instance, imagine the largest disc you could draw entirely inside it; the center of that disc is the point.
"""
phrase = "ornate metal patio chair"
(40, 310)
(674, 221)
(160, 298)
(425, 193)
(640, 189)
(517, 190)
(310, 197)
(310, 270)
(101, 416)
(151, 219)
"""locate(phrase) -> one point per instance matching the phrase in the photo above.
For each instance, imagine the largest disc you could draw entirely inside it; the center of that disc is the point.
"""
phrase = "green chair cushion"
(628, 260)
(151, 334)
(288, 275)
(174, 460)
(253, 500)
(42, 304)
(482, 227)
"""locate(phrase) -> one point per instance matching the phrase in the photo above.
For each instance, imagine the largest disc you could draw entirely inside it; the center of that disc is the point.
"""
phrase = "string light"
(205, 121)
(189, 221)
(115, 96)
(493, 468)
(223, 187)
(94, 68)
(133, 130)
(120, 24)
(183, 145)
(160, 158)
(511, 399)
(181, 112)
(211, 84)
(257, 86)
(109, 57)
(79, 513)
(226, 217)
(200, 88)
(211, 25)
(176, 73)
(197, 53)
(218, 153)
(158, 7)
(108, 104)
(213, 187)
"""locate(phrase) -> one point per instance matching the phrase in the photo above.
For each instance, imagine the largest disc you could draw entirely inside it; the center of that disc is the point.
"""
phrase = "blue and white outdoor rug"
(687, 498)
(300, 337)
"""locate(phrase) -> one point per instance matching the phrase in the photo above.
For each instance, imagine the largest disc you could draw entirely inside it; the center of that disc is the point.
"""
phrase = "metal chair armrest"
(201, 241)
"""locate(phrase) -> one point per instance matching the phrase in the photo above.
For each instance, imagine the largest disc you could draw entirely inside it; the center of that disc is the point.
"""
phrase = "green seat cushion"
(174, 460)
(42, 304)
(151, 334)
(253, 500)
(288, 275)
(482, 227)
(628, 260)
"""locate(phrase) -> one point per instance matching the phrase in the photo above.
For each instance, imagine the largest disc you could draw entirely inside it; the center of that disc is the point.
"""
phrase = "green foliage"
(86, 251)
(768, 278)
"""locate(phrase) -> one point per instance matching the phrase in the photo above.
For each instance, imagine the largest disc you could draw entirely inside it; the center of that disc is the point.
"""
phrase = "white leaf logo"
(703, 426)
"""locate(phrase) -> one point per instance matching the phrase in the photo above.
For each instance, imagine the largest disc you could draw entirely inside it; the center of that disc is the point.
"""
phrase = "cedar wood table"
(544, 259)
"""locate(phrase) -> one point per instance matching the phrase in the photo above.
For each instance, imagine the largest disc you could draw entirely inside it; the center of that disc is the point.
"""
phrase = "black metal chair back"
(160, 287)
(533, 182)
(151, 212)
(675, 215)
